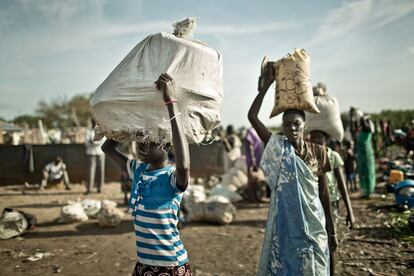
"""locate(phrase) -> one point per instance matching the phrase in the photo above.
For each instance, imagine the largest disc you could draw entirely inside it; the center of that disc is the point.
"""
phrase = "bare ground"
(373, 247)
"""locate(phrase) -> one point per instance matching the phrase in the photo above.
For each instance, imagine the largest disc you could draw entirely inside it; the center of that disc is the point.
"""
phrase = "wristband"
(171, 101)
(172, 118)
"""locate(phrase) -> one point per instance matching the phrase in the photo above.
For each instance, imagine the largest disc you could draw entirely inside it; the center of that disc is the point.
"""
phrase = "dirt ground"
(371, 248)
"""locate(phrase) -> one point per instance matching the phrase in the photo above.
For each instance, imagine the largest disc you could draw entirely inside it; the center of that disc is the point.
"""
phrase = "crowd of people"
(304, 175)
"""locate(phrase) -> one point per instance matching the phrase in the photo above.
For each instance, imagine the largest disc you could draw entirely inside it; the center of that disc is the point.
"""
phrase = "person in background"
(336, 181)
(232, 144)
(55, 172)
(365, 159)
(96, 158)
(350, 166)
(254, 149)
(409, 140)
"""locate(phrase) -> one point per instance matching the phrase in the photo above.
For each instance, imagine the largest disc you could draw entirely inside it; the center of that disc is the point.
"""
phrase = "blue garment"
(154, 203)
(295, 240)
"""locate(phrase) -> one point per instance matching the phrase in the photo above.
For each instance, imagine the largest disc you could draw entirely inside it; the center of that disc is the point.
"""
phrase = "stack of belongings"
(127, 105)
(293, 86)
(199, 207)
(329, 118)
(110, 215)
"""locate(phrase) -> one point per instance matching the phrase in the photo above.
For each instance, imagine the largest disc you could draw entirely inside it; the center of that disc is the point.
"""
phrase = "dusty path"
(372, 248)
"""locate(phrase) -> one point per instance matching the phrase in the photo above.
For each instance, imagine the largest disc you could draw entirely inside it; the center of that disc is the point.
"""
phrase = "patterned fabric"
(296, 241)
(147, 270)
(154, 203)
(253, 139)
(336, 163)
(315, 157)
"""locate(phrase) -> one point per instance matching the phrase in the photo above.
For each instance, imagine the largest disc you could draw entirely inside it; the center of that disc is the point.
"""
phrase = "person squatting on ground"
(335, 178)
(156, 195)
(55, 172)
(300, 232)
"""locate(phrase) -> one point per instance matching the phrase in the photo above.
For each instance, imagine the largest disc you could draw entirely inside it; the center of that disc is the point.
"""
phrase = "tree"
(26, 120)
(62, 113)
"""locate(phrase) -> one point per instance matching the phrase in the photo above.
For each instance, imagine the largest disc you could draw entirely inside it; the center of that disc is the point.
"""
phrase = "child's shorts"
(350, 177)
(142, 269)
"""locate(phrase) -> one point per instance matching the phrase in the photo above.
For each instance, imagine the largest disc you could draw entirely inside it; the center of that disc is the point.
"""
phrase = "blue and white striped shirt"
(154, 204)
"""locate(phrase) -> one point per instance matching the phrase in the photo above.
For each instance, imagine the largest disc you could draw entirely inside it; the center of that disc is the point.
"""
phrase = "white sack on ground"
(12, 224)
(128, 101)
(194, 194)
(73, 212)
(111, 217)
(91, 207)
(216, 209)
(293, 86)
(224, 190)
(328, 120)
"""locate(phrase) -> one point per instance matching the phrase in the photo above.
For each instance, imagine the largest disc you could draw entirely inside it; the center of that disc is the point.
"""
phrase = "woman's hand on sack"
(267, 78)
(165, 84)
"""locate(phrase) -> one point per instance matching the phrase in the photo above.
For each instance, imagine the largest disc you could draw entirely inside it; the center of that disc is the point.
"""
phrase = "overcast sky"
(363, 50)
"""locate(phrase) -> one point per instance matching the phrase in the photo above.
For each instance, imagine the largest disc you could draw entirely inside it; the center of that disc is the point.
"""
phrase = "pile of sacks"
(215, 205)
(105, 211)
(200, 208)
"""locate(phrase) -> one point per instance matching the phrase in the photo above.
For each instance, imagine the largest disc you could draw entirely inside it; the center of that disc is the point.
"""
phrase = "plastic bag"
(293, 86)
(127, 105)
(12, 224)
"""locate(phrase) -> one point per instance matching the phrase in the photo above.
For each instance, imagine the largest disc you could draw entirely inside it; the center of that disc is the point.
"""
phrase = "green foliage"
(59, 113)
(399, 118)
(399, 224)
(26, 120)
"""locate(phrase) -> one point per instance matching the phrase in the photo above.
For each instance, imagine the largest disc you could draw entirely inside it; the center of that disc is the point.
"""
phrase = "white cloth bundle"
(328, 120)
(127, 105)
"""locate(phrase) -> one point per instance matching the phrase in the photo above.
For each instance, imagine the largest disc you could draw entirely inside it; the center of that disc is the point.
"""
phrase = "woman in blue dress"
(300, 232)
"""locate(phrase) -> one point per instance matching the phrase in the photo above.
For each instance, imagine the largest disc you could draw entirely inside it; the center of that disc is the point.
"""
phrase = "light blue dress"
(296, 242)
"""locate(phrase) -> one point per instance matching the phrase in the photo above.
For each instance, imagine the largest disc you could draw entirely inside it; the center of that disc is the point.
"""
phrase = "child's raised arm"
(265, 81)
(109, 148)
(165, 84)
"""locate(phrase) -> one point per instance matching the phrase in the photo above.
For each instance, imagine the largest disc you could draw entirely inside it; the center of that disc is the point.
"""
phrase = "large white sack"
(329, 118)
(224, 190)
(194, 194)
(91, 207)
(72, 212)
(12, 224)
(128, 101)
(216, 209)
(111, 217)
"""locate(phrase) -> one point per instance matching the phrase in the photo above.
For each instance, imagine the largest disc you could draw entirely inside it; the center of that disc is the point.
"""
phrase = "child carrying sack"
(293, 86)
(328, 120)
(127, 105)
